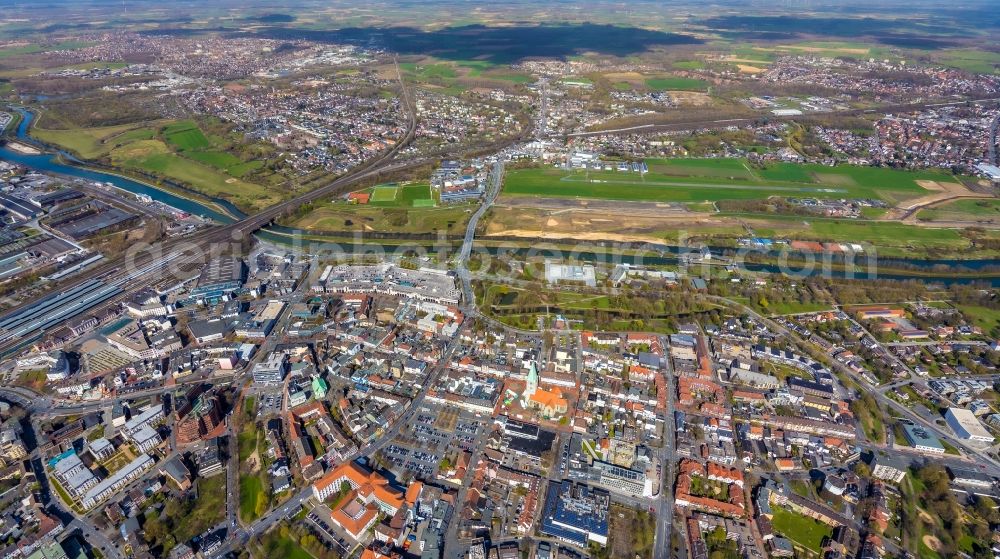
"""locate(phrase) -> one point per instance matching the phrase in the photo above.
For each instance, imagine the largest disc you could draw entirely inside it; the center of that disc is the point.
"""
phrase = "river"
(50, 163)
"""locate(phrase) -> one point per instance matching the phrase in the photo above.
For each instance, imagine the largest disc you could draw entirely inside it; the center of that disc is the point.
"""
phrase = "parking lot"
(436, 432)
(268, 402)
(319, 520)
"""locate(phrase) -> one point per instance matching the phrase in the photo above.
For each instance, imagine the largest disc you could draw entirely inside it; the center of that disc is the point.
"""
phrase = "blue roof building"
(220, 278)
(920, 439)
(576, 513)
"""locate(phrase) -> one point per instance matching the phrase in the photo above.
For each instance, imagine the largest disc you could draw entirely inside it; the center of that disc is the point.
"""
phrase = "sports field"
(712, 180)
(403, 196)
(384, 194)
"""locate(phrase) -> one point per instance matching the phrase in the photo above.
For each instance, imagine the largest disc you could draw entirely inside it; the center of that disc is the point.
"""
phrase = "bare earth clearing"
(939, 193)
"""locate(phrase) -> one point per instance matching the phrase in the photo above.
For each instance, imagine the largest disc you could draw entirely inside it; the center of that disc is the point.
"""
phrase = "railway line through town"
(135, 268)
(117, 280)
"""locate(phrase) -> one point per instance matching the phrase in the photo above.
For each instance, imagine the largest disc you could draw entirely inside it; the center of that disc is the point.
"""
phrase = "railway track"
(132, 272)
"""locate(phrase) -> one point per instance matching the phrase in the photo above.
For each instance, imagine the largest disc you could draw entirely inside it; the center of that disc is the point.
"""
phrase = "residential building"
(887, 468)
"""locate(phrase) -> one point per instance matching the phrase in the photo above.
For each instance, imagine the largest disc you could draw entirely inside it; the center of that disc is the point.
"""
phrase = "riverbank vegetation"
(204, 155)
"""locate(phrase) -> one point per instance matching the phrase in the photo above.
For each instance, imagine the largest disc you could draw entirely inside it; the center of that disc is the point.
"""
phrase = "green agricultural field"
(873, 213)
(475, 67)
(785, 172)
(155, 157)
(688, 65)
(749, 52)
(826, 49)
(883, 233)
(874, 177)
(438, 71)
(428, 72)
(963, 210)
(978, 61)
(176, 150)
(218, 159)
(186, 135)
(682, 84)
(802, 530)
(32, 49)
(693, 180)
(892, 238)
(509, 77)
(91, 143)
(225, 161)
(721, 168)
(244, 168)
(147, 133)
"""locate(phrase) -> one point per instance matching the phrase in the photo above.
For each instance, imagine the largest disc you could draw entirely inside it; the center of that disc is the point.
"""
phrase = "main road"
(462, 259)
(292, 505)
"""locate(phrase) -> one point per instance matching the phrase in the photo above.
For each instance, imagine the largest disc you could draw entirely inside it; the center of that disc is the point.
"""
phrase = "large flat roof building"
(966, 425)
(991, 171)
(426, 284)
(560, 273)
(576, 513)
(271, 370)
(23, 209)
(920, 439)
(220, 277)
